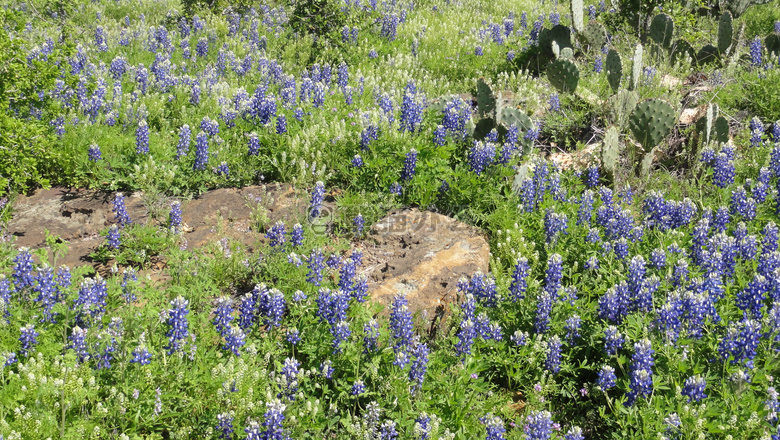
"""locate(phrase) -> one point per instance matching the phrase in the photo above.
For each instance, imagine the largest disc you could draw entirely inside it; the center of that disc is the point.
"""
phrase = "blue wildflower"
(694, 388)
(641, 375)
(494, 427)
(120, 211)
(606, 379)
(410, 163)
(28, 339)
(552, 362)
(519, 285)
(225, 426)
(317, 197)
(540, 425)
(142, 138)
(177, 320)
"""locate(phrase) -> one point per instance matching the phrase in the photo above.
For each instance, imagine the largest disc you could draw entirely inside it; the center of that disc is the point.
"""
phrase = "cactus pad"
(705, 123)
(647, 164)
(709, 119)
(486, 102)
(662, 30)
(595, 35)
(560, 34)
(621, 105)
(651, 122)
(725, 32)
(483, 127)
(515, 116)
(523, 171)
(563, 75)
(680, 50)
(500, 101)
(711, 127)
(707, 55)
(614, 69)
(636, 67)
(720, 130)
(772, 44)
(567, 54)
(577, 21)
(610, 151)
(512, 116)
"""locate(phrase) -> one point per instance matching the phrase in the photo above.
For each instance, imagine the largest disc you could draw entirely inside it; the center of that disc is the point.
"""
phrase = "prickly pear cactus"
(441, 102)
(705, 124)
(636, 67)
(710, 128)
(517, 117)
(736, 44)
(499, 107)
(470, 127)
(486, 102)
(725, 32)
(563, 75)
(680, 50)
(651, 122)
(523, 171)
(709, 118)
(621, 105)
(567, 54)
(720, 132)
(647, 164)
(707, 55)
(595, 36)
(662, 30)
(614, 68)
(610, 151)
(560, 34)
(577, 15)
(483, 127)
(512, 116)
(772, 44)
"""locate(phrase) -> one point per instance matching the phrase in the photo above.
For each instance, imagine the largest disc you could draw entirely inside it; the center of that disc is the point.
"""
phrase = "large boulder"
(422, 255)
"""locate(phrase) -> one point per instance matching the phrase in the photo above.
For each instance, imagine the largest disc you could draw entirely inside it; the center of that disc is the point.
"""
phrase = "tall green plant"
(27, 156)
